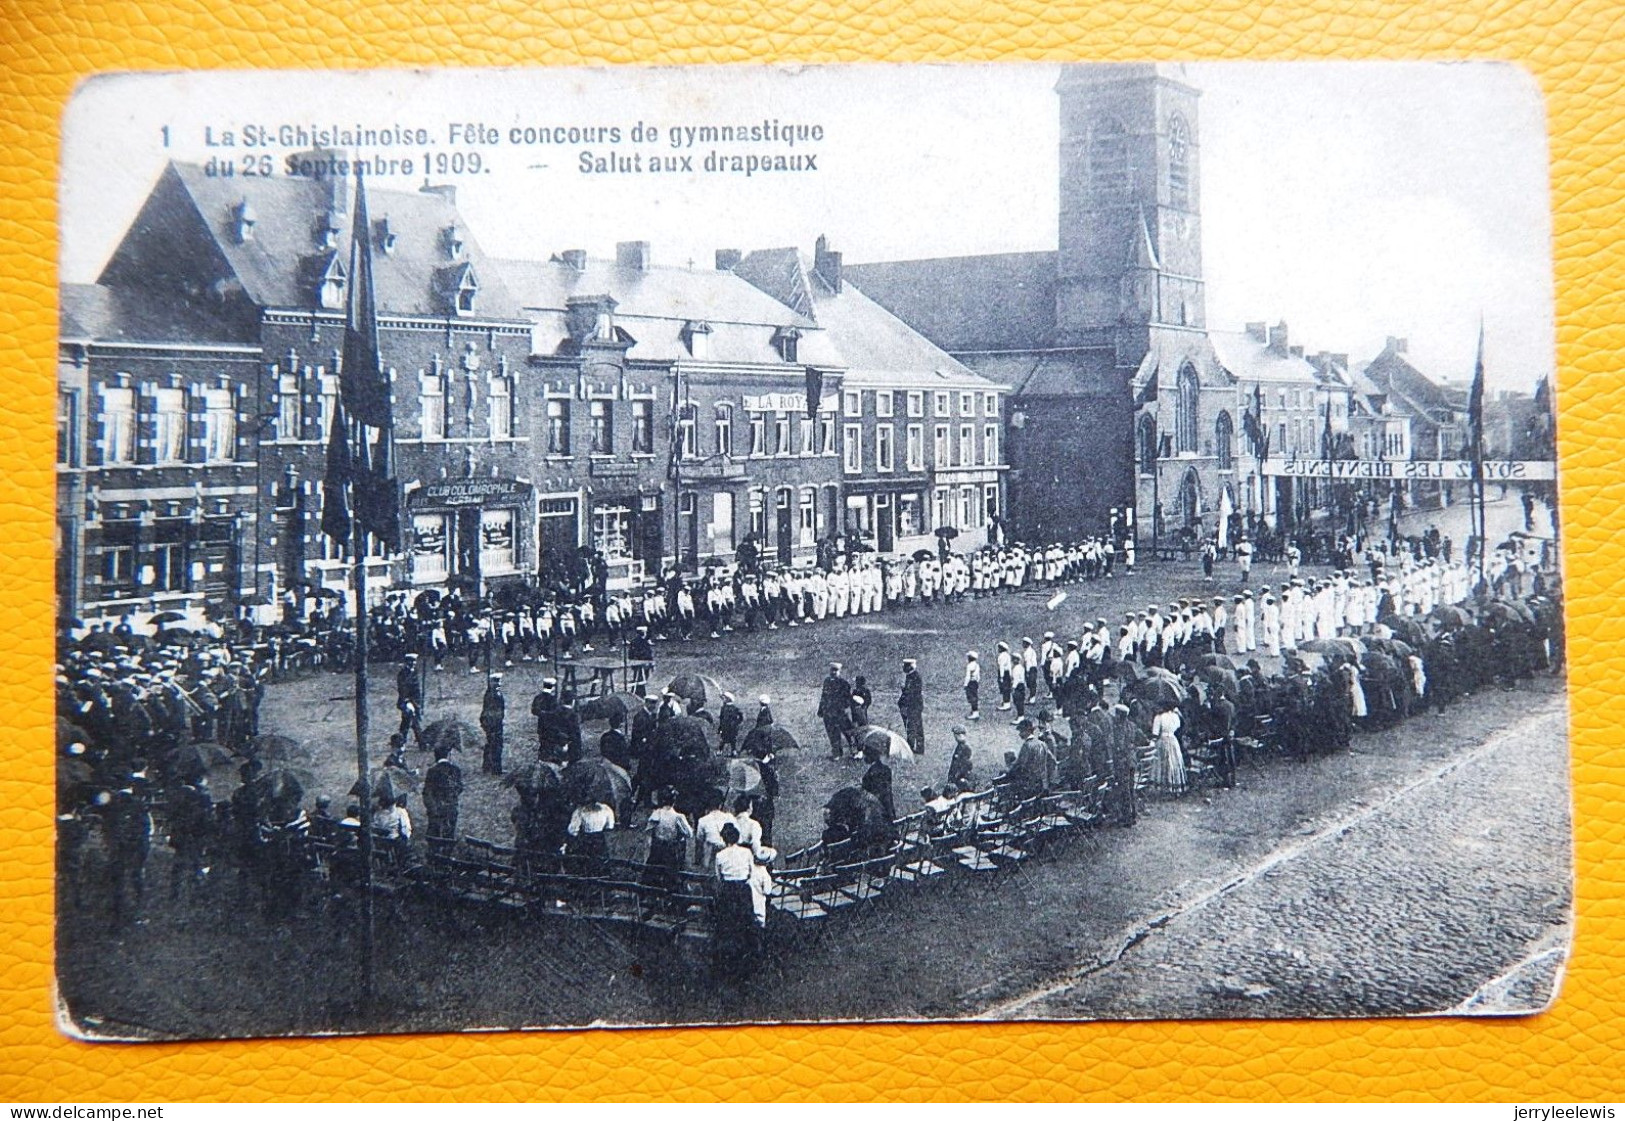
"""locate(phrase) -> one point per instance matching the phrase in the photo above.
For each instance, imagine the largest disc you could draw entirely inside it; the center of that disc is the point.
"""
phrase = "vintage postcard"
(684, 546)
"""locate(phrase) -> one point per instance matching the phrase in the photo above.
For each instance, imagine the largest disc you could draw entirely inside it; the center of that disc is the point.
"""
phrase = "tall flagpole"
(362, 765)
(1475, 423)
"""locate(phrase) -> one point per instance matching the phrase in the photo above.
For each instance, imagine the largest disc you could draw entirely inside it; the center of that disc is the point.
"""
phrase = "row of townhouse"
(655, 415)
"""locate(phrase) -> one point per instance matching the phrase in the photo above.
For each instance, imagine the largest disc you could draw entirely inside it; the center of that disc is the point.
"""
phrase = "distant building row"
(658, 415)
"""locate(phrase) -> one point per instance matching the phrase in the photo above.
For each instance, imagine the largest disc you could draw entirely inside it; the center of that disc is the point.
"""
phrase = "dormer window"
(697, 337)
(384, 237)
(785, 341)
(468, 290)
(590, 317)
(454, 242)
(330, 285)
(244, 220)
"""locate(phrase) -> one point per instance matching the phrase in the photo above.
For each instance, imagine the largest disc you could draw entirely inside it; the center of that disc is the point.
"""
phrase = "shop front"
(468, 531)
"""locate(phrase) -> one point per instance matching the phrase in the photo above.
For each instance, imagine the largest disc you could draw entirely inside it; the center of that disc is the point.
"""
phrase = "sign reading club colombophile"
(1495, 470)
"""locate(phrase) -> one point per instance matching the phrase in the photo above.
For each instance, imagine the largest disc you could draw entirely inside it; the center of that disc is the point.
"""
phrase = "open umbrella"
(199, 760)
(279, 792)
(457, 735)
(600, 708)
(596, 780)
(272, 748)
(696, 687)
(1393, 647)
(744, 777)
(732, 776)
(687, 737)
(1342, 649)
(1449, 615)
(1380, 666)
(768, 741)
(165, 618)
(922, 555)
(534, 777)
(1223, 661)
(883, 742)
(1411, 630)
(393, 784)
(859, 813)
(1159, 691)
(1221, 678)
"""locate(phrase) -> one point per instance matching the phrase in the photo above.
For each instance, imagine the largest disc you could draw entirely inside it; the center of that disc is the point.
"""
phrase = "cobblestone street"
(1411, 903)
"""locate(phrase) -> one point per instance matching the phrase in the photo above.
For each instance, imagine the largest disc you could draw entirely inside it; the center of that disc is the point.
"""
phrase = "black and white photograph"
(697, 546)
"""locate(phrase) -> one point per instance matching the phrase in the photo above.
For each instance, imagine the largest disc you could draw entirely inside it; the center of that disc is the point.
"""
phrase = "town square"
(457, 637)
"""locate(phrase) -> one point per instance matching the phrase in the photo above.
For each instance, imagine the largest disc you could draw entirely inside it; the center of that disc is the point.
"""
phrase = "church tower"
(1130, 247)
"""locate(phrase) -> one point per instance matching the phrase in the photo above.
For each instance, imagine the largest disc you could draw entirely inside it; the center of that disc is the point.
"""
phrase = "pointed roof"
(871, 343)
(185, 238)
(781, 274)
(987, 302)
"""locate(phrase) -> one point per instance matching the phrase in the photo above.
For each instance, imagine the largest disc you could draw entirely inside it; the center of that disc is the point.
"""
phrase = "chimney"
(1257, 333)
(1277, 339)
(441, 190)
(1395, 346)
(728, 259)
(632, 255)
(827, 264)
(575, 258)
(1295, 351)
(321, 164)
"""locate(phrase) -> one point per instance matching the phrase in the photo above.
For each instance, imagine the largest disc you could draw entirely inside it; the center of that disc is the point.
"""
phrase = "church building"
(1119, 401)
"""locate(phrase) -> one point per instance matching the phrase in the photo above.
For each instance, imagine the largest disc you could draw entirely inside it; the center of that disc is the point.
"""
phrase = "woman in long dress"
(1356, 691)
(735, 940)
(1167, 760)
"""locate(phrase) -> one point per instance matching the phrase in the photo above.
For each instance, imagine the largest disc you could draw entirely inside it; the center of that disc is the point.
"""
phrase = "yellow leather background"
(1575, 50)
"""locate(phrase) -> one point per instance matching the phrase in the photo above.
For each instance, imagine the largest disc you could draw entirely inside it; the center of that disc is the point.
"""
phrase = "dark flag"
(1252, 422)
(1148, 394)
(363, 383)
(815, 391)
(364, 389)
(377, 497)
(335, 501)
(1327, 440)
(1475, 402)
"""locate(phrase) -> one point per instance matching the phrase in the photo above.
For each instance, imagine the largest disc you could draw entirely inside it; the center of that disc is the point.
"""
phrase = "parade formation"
(161, 744)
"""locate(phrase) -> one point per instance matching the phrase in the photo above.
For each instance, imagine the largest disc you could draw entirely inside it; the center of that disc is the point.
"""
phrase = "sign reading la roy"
(1447, 470)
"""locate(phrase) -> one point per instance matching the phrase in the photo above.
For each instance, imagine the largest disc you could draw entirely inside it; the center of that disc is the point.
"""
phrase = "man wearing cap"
(960, 765)
(729, 720)
(558, 730)
(442, 789)
(409, 698)
(1029, 667)
(493, 712)
(835, 710)
(911, 705)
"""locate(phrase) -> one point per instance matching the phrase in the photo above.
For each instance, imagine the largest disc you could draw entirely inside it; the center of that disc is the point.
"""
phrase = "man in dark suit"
(409, 698)
(493, 712)
(442, 789)
(911, 705)
(835, 710)
(558, 729)
(877, 781)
